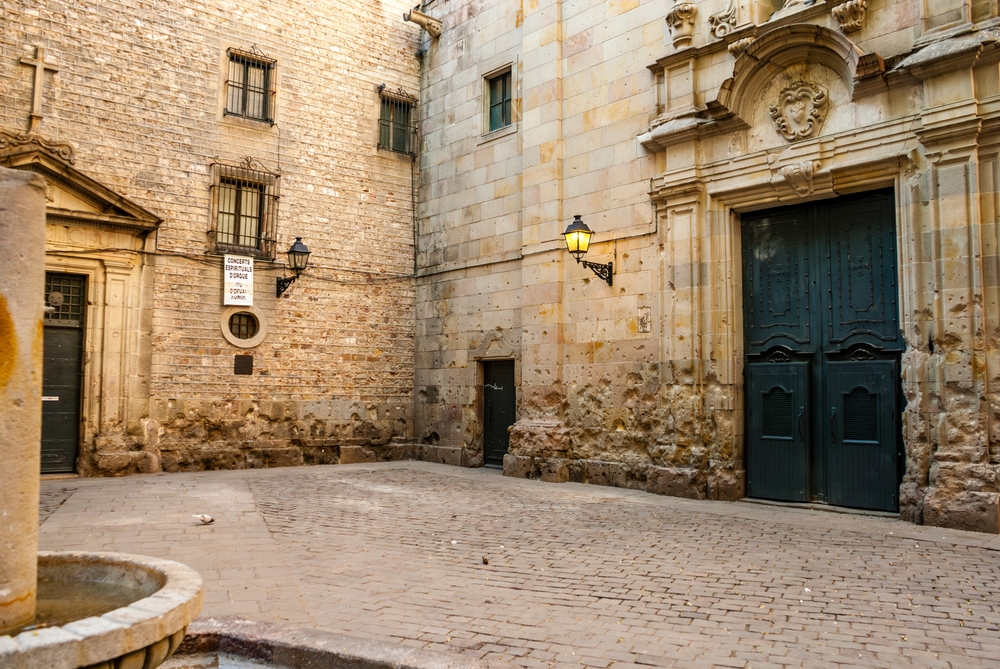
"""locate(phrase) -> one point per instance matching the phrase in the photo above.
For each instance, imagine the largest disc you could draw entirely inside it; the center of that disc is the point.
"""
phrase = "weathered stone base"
(975, 511)
(724, 482)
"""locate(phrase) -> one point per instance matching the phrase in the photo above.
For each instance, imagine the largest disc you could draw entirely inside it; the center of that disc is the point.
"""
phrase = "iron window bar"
(397, 128)
(245, 207)
(249, 86)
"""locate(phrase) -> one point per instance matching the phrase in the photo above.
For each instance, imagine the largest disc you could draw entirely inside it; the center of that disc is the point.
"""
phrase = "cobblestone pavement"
(576, 575)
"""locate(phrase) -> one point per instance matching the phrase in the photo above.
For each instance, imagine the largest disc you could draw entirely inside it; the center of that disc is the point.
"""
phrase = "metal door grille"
(65, 294)
(777, 418)
(860, 416)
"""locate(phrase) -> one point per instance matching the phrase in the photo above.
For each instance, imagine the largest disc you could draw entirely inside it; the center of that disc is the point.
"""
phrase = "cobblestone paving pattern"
(51, 497)
(576, 575)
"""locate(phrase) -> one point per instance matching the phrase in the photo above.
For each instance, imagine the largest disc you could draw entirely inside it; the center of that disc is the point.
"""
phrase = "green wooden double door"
(823, 345)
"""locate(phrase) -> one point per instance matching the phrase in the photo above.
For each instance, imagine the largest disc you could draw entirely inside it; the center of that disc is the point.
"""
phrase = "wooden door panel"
(776, 263)
(861, 457)
(777, 410)
(499, 409)
(861, 288)
(61, 399)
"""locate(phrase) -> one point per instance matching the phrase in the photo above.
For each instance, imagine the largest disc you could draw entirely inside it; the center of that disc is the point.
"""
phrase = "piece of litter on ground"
(453, 541)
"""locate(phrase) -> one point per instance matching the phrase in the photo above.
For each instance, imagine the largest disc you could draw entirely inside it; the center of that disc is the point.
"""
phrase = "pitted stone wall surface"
(139, 91)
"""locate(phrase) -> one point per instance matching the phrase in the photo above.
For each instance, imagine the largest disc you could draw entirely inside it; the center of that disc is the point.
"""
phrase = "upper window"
(499, 93)
(250, 85)
(245, 203)
(396, 129)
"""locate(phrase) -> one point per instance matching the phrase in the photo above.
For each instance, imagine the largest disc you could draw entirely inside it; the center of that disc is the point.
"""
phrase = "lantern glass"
(578, 237)
(298, 255)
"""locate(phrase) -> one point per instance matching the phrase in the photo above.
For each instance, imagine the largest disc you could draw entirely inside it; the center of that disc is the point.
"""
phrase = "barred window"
(249, 87)
(396, 128)
(243, 325)
(245, 205)
(499, 92)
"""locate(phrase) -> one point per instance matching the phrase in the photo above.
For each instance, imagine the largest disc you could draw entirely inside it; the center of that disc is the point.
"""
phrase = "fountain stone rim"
(129, 629)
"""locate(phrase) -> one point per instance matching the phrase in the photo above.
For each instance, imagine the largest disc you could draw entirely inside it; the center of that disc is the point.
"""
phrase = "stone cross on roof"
(38, 62)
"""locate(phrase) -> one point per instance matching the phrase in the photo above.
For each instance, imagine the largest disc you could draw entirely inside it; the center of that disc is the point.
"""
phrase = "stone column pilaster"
(22, 287)
(540, 435)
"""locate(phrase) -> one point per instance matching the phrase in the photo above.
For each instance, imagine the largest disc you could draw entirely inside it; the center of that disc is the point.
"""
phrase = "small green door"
(823, 345)
(499, 409)
(63, 348)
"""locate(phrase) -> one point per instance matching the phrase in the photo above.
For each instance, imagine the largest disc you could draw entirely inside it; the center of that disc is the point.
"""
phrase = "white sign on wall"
(238, 273)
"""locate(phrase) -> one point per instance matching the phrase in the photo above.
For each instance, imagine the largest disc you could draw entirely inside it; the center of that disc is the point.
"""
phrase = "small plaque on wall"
(243, 364)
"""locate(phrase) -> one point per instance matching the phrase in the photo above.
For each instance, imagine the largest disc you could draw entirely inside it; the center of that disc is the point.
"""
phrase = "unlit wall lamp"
(298, 258)
(578, 241)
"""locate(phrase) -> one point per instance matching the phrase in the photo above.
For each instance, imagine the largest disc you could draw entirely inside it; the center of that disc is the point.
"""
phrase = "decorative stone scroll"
(680, 20)
(851, 15)
(800, 175)
(800, 110)
(14, 142)
(723, 22)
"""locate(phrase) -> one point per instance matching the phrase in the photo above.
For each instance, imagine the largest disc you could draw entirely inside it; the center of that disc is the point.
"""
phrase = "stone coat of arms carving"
(800, 110)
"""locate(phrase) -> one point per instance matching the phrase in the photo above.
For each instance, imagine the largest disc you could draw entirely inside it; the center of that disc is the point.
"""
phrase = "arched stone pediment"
(771, 54)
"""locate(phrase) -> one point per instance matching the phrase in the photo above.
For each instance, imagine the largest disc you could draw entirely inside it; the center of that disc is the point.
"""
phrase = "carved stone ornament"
(680, 19)
(800, 175)
(851, 15)
(723, 22)
(800, 110)
(737, 47)
(11, 143)
(428, 23)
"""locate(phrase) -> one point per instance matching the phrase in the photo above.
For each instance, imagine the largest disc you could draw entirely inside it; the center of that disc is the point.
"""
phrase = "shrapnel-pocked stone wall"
(140, 93)
(653, 120)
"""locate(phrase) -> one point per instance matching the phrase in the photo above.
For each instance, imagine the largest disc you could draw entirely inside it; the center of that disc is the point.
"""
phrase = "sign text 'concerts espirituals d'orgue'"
(238, 272)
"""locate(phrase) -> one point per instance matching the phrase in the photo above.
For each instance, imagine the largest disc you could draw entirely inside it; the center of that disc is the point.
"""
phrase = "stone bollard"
(22, 288)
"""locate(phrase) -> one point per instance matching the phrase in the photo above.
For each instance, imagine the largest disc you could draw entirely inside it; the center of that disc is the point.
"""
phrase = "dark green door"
(823, 345)
(499, 409)
(63, 339)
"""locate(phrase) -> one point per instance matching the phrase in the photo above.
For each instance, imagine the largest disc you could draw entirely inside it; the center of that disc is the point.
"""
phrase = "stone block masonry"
(141, 92)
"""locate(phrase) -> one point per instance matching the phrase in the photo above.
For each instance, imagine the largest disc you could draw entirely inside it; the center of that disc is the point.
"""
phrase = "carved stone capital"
(851, 15)
(680, 20)
(800, 110)
(15, 142)
(800, 175)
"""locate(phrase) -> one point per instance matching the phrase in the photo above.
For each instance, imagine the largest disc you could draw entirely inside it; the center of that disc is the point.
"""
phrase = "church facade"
(186, 146)
(797, 204)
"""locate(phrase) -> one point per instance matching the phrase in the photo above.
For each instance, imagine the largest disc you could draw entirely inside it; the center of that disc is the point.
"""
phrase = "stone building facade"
(158, 126)
(799, 203)
(795, 205)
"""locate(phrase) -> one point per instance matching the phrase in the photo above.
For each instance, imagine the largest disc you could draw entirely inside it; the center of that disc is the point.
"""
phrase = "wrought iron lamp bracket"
(604, 272)
(284, 282)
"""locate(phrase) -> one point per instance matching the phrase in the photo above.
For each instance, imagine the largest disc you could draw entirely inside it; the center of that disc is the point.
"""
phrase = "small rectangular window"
(250, 85)
(499, 89)
(244, 201)
(396, 127)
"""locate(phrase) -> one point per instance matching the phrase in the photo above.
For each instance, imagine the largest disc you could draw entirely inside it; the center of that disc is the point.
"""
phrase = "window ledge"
(497, 134)
(249, 123)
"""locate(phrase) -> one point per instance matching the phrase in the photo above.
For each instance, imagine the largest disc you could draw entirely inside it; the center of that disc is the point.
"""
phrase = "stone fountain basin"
(141, 635)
